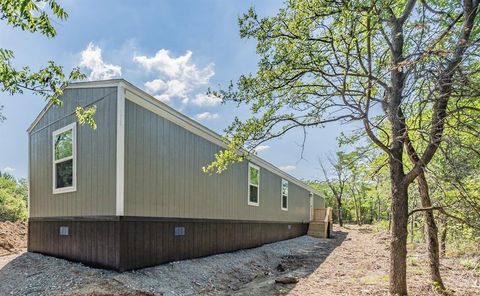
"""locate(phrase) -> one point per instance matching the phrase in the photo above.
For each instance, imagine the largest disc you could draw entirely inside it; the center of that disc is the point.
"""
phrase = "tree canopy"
(36, 16)
(383, 63)
(13, 198)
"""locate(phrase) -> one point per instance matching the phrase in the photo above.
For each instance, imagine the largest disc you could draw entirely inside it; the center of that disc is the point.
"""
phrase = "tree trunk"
(339, 212)
(372, 213)
(355, 205)
(412, 229)
(431, 233)
(390, 222)
(360, 213)
(361, 217)
(398, 241)
(412, 223)
(443, 238)
(379, 214)
(356, 210)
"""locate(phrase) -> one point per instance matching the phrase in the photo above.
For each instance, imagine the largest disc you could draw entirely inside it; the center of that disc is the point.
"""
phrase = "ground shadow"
(300, 264)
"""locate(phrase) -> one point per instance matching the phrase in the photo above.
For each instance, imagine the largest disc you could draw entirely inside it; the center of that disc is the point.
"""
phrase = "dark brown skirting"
(124, 243)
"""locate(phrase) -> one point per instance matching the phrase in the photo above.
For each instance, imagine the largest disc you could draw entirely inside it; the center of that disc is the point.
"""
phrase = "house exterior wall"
(318, 202)
(140, 179)
(164, 177)
(96, 153)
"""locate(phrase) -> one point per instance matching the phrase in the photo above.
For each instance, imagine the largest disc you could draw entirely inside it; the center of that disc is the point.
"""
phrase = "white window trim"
(310, 208)
(120, 161)
(73, 127)
(281, 195)
(250, 203)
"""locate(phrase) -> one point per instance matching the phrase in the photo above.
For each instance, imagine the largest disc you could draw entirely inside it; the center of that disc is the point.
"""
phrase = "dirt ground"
(13, 237)
(360, 267)
(354, 262)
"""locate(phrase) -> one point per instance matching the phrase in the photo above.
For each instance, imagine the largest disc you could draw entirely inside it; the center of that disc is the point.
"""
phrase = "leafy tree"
(431, 229)
(454, 175)
(337, 183)
(457, 188)
(49, 81)
(459, 125)
(352, 184)
(13, 198)
(368, 61)
(358, 189)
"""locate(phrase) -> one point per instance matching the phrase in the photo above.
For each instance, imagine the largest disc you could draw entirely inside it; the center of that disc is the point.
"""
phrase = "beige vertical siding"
(95, 193)
(318, 202)
(163, 169)
(164, 178)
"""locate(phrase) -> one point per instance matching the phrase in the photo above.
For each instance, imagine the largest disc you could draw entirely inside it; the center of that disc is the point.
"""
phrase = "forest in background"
(356, 185)
(13, 198)
(408, 73)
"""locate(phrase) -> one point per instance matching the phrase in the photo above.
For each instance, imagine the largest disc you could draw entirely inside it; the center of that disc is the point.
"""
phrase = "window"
(253, 184)
(64, 159)
(284, 195)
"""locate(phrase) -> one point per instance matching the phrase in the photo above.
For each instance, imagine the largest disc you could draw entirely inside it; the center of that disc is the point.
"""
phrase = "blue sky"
(173, 49)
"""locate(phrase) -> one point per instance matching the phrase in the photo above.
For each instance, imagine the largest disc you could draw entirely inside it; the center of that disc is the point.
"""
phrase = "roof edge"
(267, 165)
(79, 84)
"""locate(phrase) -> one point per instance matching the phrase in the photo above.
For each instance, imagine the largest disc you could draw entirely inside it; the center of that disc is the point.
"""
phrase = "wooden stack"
(322, 223)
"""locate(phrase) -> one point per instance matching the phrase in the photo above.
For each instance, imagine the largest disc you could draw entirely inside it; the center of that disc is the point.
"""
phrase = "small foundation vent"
(63, 230)
(179, 231)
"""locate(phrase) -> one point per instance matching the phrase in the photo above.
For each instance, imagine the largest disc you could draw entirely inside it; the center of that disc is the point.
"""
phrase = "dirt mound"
(13, 237)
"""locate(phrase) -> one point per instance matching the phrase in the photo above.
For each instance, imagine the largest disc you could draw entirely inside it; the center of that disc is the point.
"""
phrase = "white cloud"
(206, 100)
(178, 77)
(261, 148)
(8, 169)
(91, 58)
(180, 67)
(163, 91)
(287, 168)
(206, 116)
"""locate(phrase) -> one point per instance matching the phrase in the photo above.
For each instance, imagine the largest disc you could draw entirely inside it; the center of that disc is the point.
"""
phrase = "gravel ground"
(245, 272)
(354, 262)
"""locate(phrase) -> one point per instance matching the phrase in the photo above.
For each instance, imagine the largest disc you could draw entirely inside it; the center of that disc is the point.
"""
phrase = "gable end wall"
(96, 157)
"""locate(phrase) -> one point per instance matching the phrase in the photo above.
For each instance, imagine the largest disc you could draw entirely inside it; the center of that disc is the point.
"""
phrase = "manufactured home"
(132, 193)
